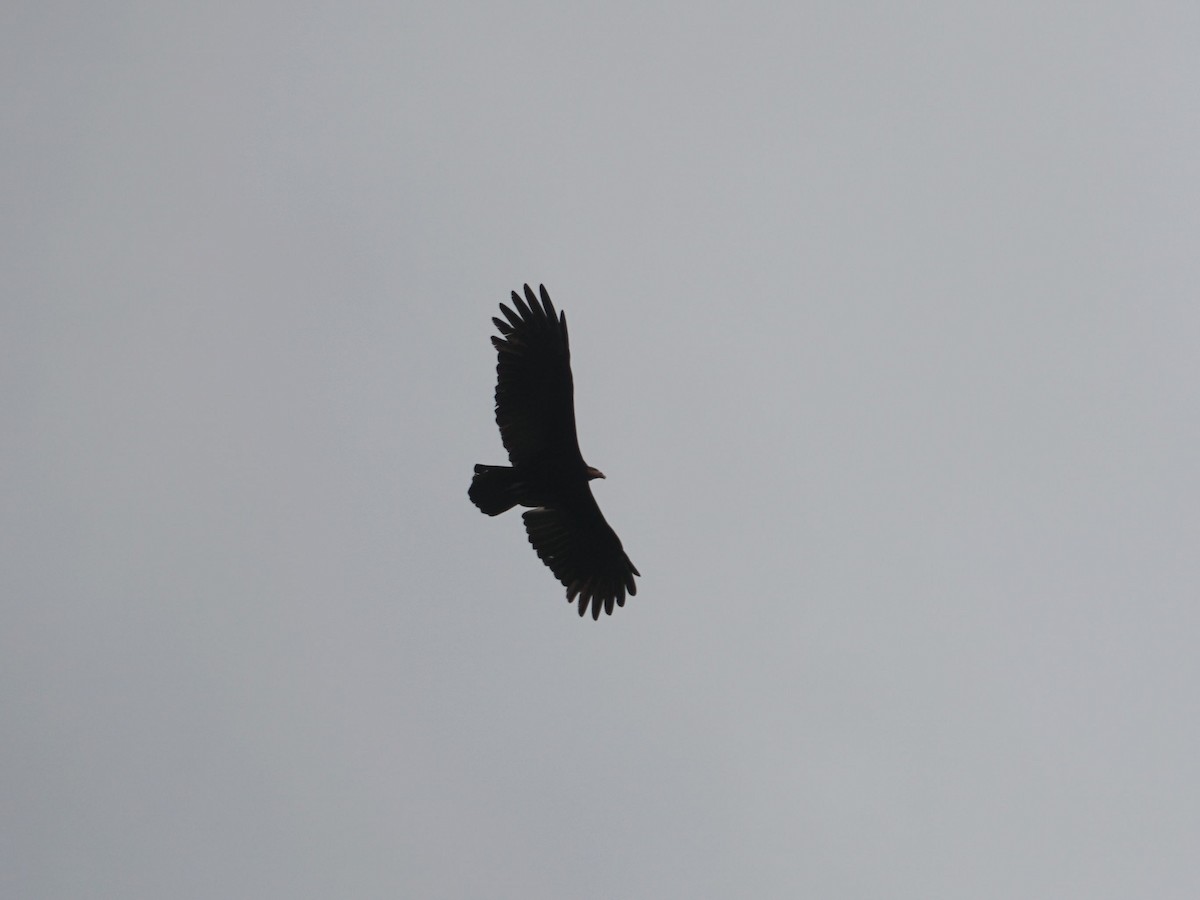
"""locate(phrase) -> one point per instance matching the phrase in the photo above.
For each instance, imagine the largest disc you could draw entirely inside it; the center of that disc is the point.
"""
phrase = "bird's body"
(535, 409)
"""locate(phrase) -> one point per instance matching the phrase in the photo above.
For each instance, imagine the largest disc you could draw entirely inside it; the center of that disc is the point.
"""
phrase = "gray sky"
(885, 324)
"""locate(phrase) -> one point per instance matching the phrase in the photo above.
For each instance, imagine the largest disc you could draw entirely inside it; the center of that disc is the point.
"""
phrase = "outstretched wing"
(582, 551)
(535, 404)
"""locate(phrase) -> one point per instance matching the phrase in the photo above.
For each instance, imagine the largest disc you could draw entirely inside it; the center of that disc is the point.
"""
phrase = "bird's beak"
(594, 472)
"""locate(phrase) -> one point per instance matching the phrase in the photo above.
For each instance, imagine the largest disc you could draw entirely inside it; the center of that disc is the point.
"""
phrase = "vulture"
(535, 409)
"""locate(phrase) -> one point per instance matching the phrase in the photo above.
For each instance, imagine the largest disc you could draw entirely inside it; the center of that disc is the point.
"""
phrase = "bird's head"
(593, 472)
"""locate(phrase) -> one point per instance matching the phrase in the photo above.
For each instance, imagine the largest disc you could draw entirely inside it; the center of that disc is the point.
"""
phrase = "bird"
(535, 410)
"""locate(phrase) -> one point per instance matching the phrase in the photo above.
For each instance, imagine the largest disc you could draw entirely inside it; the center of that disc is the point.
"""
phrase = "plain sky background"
(885, 323)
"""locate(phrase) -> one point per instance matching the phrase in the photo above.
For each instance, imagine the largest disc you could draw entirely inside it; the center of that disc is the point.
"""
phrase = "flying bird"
(535, 409)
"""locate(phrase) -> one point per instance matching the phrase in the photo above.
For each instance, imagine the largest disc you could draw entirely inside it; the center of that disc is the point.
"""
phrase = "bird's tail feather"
(494, 489)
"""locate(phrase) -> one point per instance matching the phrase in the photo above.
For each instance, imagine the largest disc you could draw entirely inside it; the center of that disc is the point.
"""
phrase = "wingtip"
(521, 306)
(551, 313)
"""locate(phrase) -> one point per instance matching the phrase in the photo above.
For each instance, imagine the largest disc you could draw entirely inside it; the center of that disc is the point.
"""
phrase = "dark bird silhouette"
(535, 409)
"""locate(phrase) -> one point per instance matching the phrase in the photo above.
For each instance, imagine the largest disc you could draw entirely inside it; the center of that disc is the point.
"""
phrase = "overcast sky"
(885, 323)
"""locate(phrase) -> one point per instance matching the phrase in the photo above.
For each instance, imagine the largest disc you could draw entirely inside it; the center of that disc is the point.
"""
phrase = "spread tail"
(493, 489)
